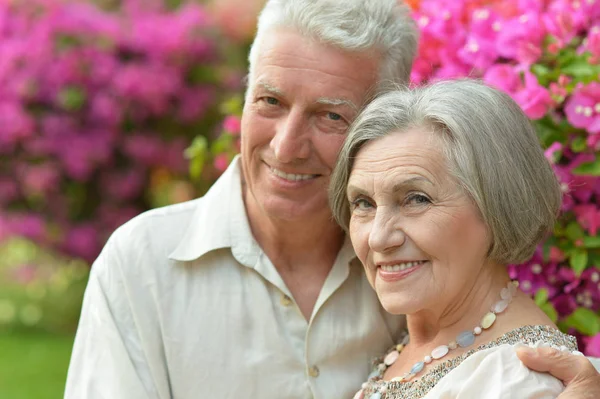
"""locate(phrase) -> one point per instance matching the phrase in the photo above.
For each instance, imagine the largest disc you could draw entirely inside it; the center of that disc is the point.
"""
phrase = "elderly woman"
(440, 188)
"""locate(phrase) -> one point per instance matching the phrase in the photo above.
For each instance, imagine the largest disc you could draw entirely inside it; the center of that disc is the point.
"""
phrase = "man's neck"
(302, 251)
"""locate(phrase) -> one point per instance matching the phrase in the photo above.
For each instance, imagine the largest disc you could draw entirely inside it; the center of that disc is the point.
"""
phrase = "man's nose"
(386, 231)
(291, 141)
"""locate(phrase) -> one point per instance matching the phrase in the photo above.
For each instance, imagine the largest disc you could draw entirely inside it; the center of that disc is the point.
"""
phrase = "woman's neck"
(439, 326)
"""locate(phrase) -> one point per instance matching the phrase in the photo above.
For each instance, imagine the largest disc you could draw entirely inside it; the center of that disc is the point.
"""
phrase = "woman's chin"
(397, 307)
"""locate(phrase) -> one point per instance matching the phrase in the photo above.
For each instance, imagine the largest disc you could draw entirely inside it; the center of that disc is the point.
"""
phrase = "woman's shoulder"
(495, 368)
(491, 367)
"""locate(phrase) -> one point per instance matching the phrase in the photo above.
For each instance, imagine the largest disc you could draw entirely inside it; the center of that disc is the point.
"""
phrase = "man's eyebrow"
(270, 88)
(337, 101)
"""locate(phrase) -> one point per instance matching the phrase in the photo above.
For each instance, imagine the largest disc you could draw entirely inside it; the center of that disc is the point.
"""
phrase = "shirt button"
(313, 371)
(286, 300)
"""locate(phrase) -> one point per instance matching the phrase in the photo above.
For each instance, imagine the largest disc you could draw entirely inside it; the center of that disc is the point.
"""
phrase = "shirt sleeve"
(109, 358)
(495, 373)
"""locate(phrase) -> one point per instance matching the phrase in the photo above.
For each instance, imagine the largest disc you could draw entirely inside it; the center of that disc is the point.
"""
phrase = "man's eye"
(272, 100)
(333, 116)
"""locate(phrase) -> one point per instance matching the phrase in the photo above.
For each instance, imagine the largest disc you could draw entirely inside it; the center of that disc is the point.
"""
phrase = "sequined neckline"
(420, 387)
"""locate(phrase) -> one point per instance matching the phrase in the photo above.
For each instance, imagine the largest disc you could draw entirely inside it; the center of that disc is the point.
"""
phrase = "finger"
(562, 365)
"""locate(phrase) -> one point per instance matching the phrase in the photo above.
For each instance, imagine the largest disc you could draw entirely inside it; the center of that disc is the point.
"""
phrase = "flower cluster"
(546, 56)
(96, 110)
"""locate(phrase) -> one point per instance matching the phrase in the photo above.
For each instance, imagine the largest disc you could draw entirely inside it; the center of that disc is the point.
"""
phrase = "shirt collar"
(220, 221)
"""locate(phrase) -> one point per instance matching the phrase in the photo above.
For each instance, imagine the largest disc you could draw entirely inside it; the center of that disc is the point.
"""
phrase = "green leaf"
(541, 71)
(579, 144)
(72, 98)
(591, 242)
(580, 68)
(222, 144)
(578, 260)
(574, 231)
(197, 148)
(550, 311)
(196, 167)
(585, 321)
(200, 74)
(541, 296)
(233, 106)
(588, 168)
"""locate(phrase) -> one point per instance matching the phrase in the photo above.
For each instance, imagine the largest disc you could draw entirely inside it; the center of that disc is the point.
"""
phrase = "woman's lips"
(391, 276)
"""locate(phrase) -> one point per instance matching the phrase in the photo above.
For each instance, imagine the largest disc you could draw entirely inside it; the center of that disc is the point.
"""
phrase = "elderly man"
(253, 291)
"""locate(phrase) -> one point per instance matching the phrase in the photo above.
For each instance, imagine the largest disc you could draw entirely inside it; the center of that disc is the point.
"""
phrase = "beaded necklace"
(463, 340)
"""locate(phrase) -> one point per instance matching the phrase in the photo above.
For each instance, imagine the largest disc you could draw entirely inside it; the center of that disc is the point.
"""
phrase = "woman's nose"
(386, 232)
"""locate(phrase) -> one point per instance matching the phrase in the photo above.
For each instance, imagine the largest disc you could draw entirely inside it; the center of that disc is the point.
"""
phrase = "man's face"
(302, 97)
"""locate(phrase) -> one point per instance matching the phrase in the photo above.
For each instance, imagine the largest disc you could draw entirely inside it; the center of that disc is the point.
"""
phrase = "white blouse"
(490, 371)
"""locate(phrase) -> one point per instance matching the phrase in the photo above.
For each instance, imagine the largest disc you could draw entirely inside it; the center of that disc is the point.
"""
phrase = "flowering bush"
(96, 109)
(546, 55)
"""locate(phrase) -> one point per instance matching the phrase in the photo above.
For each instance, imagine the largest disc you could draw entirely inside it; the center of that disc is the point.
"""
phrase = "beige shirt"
(183, 303)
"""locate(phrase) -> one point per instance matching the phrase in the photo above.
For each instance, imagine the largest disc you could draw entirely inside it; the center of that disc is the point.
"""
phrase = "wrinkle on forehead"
(384, 163)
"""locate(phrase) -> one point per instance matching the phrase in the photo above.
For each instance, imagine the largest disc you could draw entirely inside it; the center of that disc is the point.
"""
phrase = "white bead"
(439, 352)
(500, 306)
(505, 293)
(427, 359)
(477, 330)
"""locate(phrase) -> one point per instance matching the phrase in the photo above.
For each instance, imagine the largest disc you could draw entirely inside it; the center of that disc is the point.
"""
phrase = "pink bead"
(391, 358)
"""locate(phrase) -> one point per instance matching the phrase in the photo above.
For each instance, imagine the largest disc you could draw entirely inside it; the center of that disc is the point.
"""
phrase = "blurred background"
(112, 107)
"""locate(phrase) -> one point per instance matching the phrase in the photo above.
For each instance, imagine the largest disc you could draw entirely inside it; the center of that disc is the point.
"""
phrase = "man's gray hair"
(492, 150)
(354, 25)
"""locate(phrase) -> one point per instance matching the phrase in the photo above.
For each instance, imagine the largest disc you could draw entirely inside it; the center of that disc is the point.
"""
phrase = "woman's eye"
(418, 199)
(361, 203)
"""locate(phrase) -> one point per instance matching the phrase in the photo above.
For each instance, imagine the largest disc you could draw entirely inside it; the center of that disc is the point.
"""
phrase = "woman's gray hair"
(492, 150)
(354, 25)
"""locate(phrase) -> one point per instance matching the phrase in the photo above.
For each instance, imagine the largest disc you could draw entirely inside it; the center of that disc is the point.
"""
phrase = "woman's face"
(419, 236)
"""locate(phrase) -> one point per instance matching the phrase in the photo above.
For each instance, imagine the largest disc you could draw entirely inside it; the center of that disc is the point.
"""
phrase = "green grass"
(33, 365)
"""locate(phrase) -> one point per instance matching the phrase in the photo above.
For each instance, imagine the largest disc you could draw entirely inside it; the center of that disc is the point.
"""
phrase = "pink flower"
(588, 216)
(123, 185)
(193, 102)
(478, 52)
(504, 77)
(221, 162)
(144, 148)
(82, 241)
(592, 43)
(534, 99)
(593, 346)
(15, 123)
(553, 151)
(583, 108)
(520, 38)
(232, 124)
